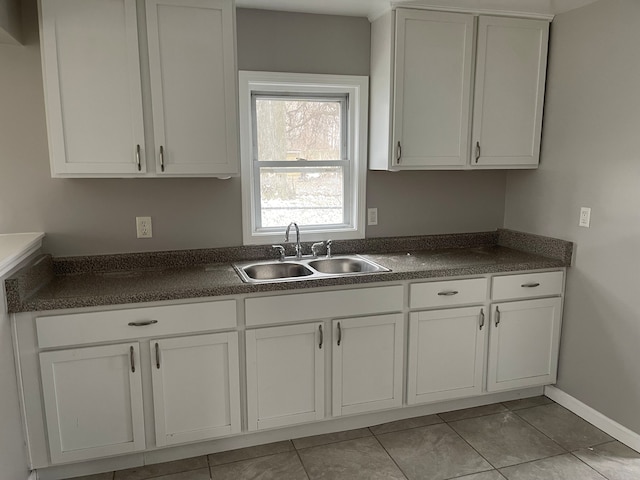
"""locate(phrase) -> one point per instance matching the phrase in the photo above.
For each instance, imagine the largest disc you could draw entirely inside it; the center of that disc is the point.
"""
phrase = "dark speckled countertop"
(50, 284)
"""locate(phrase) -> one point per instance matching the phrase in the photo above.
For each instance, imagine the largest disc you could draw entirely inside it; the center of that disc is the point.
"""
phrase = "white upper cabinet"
(434, 53)
(509, 94)
(193, 86)
(94, 89)
(422, 66)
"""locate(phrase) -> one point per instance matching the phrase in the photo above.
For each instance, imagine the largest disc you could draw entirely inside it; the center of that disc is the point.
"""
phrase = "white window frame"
(357, 90)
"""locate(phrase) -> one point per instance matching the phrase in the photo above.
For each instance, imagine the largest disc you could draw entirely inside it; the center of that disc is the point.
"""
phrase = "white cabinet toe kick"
(114, 386)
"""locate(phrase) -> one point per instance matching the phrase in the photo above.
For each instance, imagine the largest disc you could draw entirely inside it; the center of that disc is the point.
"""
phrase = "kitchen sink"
(275, 270)
(291, 269)
(344, 265)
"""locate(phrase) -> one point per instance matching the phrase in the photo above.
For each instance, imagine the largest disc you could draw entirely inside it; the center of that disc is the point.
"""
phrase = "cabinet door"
(509, 92)
(433, 64)
(524, 343)
(92, 87)
(93, 402)
(193, 86)
(367, 363)
(285, 375)
(196, 387)
(446, 354)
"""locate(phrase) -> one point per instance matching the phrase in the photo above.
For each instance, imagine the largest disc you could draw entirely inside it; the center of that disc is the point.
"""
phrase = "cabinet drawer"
(313, 306)
(79, 328)
(526, 285)
(450, 292)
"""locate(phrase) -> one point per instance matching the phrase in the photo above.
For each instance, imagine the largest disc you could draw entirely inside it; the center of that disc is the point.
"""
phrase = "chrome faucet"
(286, 239)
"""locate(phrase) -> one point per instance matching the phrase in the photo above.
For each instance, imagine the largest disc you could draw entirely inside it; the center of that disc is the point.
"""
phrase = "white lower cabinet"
(93, 401)
(446, 354)
(196, 387)
(523, 343)
(367, 363)
(285, 375)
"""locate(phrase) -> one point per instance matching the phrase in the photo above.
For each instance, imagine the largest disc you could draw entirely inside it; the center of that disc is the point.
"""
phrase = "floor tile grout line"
(591, 467)
(471, 446)
(391, 457)
(532, 461)
(476, 473)
(568, 450)
(408, 428)
(302, 463)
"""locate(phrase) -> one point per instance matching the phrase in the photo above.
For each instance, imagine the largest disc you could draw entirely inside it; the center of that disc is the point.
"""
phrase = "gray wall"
(10, 25)
(87, 216)
(590, 157)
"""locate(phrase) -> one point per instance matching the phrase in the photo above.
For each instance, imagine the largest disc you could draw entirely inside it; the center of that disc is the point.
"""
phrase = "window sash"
(303, 164)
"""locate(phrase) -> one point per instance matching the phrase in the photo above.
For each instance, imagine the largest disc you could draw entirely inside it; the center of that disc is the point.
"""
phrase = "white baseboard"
(604, 423)
(33, 475)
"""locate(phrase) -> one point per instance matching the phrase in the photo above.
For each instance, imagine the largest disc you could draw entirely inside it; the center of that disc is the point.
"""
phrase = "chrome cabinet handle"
(321, 337)
(530, 285)
(161, 158)
(157, 356)
(399, 152)
(133, 359)
(449, 293)
(497, 316)
(142, 323)
(478, 151)
(138, 157)
(339, 334)
(481, 318)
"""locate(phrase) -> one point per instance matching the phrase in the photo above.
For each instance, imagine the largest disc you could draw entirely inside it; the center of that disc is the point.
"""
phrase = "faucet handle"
(280, 250)
(329, 245)
(315, 247)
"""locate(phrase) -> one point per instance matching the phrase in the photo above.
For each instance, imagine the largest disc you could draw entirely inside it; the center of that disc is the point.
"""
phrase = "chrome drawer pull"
(448, 294)
(481, 318)
(530, 285)
(497, 316)
(142, 323)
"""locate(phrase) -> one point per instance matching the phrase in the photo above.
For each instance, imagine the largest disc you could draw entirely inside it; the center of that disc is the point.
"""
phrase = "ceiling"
(374, 8)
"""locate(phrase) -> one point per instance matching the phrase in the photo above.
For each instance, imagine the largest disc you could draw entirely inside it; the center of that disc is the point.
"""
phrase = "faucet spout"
(286, 239)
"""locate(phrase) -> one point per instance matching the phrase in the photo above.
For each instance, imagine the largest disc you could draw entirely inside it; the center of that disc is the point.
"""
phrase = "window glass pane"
(291, 128)
(308, 196)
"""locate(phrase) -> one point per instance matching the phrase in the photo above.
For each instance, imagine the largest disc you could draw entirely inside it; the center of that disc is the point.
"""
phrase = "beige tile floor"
(530, 439)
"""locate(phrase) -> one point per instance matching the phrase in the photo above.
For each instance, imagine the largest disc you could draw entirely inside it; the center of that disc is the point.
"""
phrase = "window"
(303, 149)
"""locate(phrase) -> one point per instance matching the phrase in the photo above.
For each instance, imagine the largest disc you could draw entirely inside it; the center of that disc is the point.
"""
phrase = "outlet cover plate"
(143, 227)
(585, 217)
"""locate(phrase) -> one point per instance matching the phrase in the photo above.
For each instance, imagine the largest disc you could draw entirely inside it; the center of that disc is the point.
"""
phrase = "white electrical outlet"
(143, 227)
(372, 216)
(585, 217)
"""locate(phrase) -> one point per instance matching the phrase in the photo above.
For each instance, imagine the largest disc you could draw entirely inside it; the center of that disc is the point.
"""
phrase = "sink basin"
(270, 271)
(345, 265)
(276, 270)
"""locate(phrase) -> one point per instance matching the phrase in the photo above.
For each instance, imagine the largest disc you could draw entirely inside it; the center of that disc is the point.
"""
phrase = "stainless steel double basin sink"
(292, 269)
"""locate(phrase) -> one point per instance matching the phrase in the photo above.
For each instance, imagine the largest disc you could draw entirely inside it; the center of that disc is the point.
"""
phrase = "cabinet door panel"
(92, 86)
(193, 85)
(196, 387)
(523, 346)
(446, 354)
(367, 365)
(93, 402)
(510, 81)
(285, 375)
(432, 90)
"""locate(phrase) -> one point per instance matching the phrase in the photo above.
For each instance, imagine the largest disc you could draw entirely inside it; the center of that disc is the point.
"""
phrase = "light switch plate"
(585, 217)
